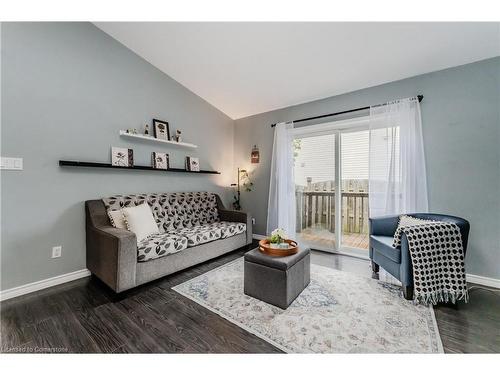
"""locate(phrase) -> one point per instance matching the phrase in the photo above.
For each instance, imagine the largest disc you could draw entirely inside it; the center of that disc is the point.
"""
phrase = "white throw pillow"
(140, 220)
(117, 219)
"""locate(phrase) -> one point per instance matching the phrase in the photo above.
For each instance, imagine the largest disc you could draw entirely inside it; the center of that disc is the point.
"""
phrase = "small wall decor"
(178, 136)
(132, 131)
(192, 164)
(146, 129)
(160, 160)
(255, 155)
(122, 157)
(161, 129)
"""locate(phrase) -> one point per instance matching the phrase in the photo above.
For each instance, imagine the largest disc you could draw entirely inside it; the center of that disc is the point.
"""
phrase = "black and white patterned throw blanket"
(438, 262)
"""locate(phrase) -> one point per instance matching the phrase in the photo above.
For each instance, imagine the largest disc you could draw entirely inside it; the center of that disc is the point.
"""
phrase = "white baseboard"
(61, 279)
(482, 280)
(42, 284)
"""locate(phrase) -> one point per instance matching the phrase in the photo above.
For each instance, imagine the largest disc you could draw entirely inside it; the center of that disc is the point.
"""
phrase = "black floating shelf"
(88, 164)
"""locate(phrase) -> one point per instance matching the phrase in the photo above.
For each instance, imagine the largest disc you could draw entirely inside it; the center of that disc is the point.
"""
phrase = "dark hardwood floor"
(84, 316)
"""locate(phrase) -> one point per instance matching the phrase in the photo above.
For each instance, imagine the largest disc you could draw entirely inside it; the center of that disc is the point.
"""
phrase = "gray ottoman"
(276, 280)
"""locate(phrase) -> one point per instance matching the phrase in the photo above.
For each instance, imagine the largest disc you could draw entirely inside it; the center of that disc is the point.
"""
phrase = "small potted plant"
(277, 240)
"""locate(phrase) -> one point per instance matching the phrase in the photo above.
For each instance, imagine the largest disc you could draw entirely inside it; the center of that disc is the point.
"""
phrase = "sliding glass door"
(354, 173)
(332, 158)
(314, 163)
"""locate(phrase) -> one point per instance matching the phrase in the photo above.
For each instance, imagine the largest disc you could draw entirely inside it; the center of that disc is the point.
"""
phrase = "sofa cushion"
(229, 229)
(199, 234)
(159, 245)
(383, 244)
(187, 210)
(172, 210)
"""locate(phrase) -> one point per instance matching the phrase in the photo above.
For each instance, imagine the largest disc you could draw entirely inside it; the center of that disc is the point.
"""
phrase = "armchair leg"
(408, 292)
(375, 267)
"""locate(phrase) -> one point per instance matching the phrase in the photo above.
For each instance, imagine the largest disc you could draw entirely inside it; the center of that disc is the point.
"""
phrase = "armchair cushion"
(383, 244)
(159, 245)
(384, 225)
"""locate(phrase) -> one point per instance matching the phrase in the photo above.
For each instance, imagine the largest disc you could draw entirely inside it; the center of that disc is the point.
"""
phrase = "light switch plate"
(12, 164)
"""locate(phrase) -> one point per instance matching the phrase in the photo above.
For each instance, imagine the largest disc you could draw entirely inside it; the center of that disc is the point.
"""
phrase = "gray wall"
(67, 89)
(461, 125)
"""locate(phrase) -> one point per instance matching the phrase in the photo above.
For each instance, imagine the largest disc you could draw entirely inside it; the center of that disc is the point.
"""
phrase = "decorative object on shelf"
(255, 155)
(122, 157)
(290, 247)
(192, 164)
(160, 160)
(243, 180)
(132, 131)
(161, 129)
(178, 137)
(146, 129)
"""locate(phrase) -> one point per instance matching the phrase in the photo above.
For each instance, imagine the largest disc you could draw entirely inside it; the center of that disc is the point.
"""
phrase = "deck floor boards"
(323, 238)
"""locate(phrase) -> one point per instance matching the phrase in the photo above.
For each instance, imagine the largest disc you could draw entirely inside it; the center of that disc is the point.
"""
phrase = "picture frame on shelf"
(161, 129)
(122, 157)
(192, 164)
(160, 160)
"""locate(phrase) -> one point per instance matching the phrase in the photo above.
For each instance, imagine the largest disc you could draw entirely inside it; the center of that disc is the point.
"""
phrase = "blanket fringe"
(442, 296)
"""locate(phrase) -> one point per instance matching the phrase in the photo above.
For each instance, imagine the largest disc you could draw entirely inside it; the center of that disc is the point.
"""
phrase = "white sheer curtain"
(281, 206)
(397, 175)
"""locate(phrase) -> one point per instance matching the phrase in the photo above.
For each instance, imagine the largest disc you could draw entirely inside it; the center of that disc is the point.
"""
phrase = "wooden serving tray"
(265, 247)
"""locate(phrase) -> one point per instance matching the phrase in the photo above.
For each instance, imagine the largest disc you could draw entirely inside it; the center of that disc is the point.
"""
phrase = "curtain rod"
(420, 97)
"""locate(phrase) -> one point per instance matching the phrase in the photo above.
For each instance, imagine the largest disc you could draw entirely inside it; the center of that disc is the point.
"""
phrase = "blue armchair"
(397, 261)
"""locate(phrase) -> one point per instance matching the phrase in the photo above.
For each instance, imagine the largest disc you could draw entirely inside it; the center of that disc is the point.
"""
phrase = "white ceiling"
(249, 68)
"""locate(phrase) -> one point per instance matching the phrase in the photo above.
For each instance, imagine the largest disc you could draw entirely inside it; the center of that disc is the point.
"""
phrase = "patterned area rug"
(339, 312)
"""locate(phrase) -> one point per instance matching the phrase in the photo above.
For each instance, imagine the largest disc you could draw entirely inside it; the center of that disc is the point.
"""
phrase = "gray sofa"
(194, 227)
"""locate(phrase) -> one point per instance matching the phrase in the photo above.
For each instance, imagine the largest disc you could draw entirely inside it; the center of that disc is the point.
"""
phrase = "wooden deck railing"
(318, 207)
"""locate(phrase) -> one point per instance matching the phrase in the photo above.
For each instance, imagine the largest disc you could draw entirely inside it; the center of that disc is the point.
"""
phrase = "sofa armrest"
(384, 225)
(238, 217)
(235, 216)
(112, 256)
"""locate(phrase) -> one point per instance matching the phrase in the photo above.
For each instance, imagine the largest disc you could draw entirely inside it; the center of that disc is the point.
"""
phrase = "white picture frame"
(122, 157)
(194, 164)
(160, 160)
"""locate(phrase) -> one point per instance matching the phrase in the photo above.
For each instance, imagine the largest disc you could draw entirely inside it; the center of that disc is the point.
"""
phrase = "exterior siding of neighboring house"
(316, 158)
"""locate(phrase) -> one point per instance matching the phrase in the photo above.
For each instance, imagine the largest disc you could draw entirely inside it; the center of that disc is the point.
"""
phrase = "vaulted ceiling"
(249, 68)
